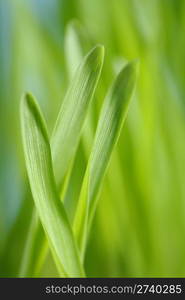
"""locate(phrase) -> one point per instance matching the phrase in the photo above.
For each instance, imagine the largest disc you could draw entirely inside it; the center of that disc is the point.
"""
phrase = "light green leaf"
(73, 111)
(110, 123)
(68, 127)
(76, 43)
(40, 172)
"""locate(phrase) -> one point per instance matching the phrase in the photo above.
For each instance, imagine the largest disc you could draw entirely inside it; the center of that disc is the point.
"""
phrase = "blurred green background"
(139, 227)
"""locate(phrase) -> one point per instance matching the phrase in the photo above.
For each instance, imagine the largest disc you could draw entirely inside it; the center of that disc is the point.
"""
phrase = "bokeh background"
(139, 227)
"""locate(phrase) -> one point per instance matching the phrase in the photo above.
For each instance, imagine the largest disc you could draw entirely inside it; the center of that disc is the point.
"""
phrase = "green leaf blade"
(43, 187)
(66, 134)
(73, 111)
(112, 117)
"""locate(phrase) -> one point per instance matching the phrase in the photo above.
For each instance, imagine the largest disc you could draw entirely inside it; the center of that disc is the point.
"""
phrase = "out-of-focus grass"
(139, 226)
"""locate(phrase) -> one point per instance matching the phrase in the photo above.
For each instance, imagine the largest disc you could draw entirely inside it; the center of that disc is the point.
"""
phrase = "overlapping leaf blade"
(74, 108)
(68, 128)
(43, 187)
(110, 123)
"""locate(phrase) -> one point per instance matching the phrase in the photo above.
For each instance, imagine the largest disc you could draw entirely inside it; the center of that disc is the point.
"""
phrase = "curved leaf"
(50, 209)
(68, 128)
(73, 111)
(110, 123)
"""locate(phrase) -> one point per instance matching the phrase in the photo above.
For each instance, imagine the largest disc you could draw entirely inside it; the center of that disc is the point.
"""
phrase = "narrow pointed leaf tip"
(43, 187)
(110, 123)
(74, 109)
(112, 117)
